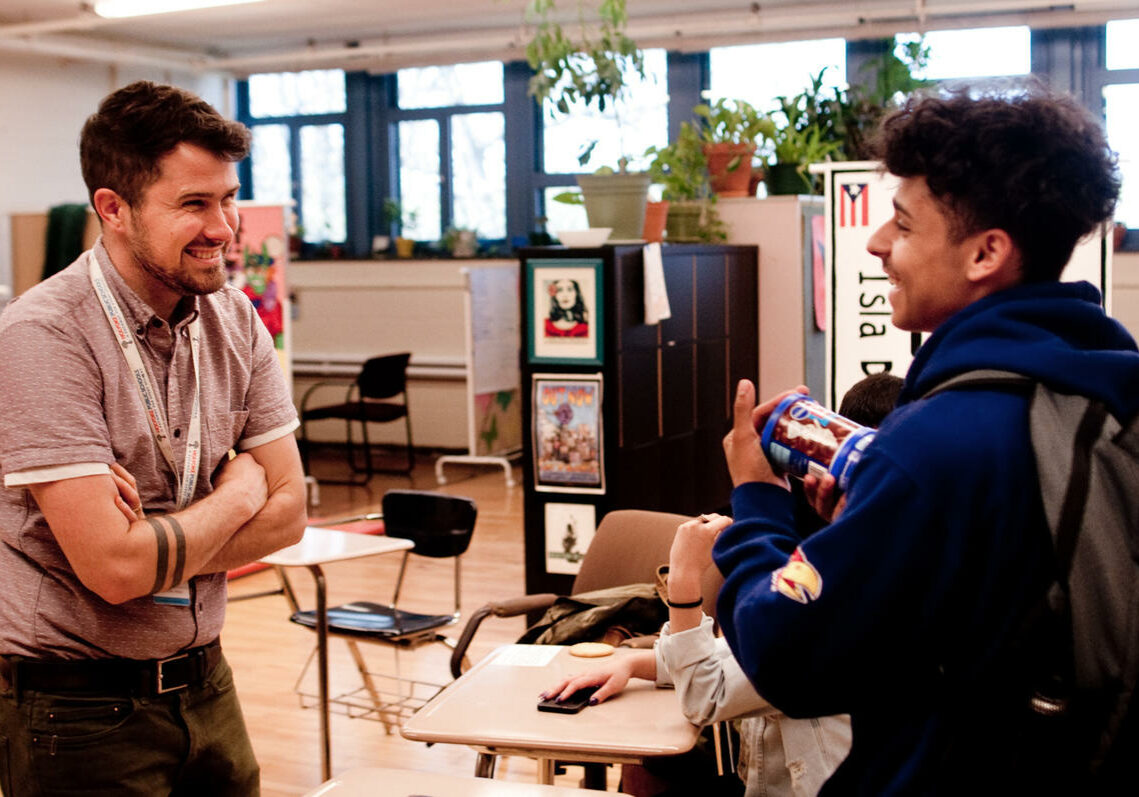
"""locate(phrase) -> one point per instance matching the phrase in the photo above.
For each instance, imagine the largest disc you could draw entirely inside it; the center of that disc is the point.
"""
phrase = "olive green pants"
(190, 742)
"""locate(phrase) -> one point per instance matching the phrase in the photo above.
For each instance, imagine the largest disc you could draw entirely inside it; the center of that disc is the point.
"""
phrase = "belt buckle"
(160, 665)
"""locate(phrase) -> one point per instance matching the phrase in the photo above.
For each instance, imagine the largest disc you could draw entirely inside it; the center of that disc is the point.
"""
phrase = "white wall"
(43, 104)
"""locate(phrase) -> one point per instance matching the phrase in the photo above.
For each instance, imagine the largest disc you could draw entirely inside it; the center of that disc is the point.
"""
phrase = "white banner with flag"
(860, 339)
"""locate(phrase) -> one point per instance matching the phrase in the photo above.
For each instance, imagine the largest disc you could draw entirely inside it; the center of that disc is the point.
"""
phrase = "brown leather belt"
(140, 677)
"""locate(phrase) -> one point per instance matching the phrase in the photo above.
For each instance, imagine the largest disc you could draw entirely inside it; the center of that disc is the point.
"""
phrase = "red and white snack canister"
(802, 436)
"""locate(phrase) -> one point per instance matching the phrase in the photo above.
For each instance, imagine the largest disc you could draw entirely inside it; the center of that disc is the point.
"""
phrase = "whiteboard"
(494, 339)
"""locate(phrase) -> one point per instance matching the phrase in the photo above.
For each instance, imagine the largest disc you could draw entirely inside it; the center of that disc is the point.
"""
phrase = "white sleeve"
(707, 678)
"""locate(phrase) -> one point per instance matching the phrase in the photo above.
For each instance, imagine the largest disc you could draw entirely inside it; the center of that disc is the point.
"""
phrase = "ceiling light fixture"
(115, 9)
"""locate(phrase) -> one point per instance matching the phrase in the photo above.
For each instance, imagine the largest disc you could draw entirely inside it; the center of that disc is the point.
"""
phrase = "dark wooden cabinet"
(667, 387)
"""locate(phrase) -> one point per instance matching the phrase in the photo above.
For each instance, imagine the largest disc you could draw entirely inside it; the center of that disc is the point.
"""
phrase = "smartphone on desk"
(572, 704)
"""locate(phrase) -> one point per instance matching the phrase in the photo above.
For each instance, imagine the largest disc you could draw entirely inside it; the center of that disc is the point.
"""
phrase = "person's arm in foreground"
(819, 622)
(119, 559)
(281, 520)
(270, 529)
(707, 678)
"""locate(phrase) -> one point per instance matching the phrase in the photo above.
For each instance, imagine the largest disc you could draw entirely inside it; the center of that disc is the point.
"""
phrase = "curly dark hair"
(1034, 164)
(121, 143)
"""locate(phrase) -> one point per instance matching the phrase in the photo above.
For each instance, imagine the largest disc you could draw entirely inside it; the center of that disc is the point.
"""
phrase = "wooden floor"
(267, 652)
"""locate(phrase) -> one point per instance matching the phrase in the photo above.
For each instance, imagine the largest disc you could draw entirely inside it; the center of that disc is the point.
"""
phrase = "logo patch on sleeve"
(798, 579)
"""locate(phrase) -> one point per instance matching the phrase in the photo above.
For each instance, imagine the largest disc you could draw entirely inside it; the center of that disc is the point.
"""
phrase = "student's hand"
(127, 501)
(823, 496)
(746, 460)
(691, 553)
(611, 679)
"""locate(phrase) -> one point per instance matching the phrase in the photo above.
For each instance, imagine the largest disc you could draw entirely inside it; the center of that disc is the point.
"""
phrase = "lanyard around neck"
(155, 416)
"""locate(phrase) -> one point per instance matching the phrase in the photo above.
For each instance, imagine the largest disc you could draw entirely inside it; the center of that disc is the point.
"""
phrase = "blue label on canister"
(802, 436)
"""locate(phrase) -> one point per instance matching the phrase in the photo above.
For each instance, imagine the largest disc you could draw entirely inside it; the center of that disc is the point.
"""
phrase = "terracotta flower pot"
(656, 214)
(729, 167)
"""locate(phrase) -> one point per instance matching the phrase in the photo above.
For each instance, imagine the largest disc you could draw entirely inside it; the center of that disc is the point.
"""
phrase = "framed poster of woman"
(564, 321)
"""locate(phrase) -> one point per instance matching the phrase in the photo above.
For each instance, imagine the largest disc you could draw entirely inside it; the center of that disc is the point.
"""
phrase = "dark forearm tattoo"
(161, 536)
(179, 549)
(163, 554)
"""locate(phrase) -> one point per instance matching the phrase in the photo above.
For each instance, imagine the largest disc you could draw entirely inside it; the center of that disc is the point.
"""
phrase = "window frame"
(1068, 59)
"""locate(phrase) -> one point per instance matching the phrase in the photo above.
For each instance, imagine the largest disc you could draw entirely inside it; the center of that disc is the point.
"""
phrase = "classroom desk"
(319, 547)
(492, 707)
(370, 781)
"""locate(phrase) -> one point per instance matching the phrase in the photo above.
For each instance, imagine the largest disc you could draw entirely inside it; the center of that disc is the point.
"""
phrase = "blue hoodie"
(902, 611)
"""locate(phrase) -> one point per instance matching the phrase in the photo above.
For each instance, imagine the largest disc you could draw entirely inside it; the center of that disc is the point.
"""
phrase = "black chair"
(440, 526)
(365, 401)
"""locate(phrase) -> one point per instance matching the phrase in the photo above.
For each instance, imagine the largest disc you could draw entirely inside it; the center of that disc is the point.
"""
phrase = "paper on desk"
(656, 296)
(526, 655)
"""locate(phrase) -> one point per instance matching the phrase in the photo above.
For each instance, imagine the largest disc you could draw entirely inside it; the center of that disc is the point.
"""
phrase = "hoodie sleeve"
(816, 623)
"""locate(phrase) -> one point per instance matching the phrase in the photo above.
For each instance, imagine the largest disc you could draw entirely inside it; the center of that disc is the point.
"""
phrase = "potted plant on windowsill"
(461, 241)
(732, 130)
(405, 247)
(809, 134)
(390, 210)
(681, 169)
(584, 66)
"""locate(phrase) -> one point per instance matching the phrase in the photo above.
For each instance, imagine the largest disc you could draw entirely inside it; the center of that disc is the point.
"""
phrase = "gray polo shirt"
(68, 408)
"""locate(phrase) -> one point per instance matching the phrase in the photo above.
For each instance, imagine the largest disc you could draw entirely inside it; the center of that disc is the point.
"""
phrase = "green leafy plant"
(733, 122)
(587, 65)
(859, 110)
(390, 211)
(681, 169)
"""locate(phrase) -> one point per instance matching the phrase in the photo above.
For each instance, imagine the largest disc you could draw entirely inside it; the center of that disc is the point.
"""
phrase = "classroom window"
(625, 129)
(452, 149)
(478, 173)
(298, 123)
(1121, 108)
(322, 196)
(419, 179)
(562, 216)
(974, 53)
(297, 93)
(442, 86)
(1122, 36)
(272, 167)
(760, 73)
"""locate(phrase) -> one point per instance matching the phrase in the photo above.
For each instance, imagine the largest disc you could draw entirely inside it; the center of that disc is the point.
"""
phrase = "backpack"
(606, 615)
(1088, 466)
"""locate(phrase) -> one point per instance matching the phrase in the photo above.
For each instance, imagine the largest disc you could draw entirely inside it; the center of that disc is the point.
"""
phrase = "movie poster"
(567, 435)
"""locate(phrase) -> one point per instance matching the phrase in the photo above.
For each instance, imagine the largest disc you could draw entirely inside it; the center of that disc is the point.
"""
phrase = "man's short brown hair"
(122, 143)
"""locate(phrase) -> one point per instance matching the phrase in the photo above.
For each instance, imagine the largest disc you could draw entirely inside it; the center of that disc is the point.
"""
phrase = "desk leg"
(546, 771)
(484, 765)
(322, 670)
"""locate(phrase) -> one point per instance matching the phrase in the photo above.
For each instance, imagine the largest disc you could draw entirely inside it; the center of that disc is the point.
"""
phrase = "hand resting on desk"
(611, 678)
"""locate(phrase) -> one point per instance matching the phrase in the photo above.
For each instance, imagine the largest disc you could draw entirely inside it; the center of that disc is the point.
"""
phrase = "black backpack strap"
(981, 379)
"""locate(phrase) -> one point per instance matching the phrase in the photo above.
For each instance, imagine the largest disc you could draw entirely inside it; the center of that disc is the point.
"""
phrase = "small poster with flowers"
(567, 433)
(564, 321)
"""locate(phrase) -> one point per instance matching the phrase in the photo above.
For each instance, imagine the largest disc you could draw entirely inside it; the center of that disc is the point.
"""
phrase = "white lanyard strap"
(155, 415)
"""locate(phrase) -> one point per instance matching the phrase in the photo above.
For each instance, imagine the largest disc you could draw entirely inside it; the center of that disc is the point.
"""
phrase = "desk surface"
(320, 546)
(493, 705)
(369, 781)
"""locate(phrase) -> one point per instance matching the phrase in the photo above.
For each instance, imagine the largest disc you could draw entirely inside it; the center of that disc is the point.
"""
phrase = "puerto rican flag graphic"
(854, 205)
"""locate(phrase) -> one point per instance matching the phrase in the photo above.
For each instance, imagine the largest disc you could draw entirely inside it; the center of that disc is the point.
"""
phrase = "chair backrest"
(440, 525)
(629, 546)
(384, 377)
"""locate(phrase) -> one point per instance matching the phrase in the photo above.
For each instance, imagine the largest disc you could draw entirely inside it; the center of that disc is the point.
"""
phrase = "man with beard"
(127, 380)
